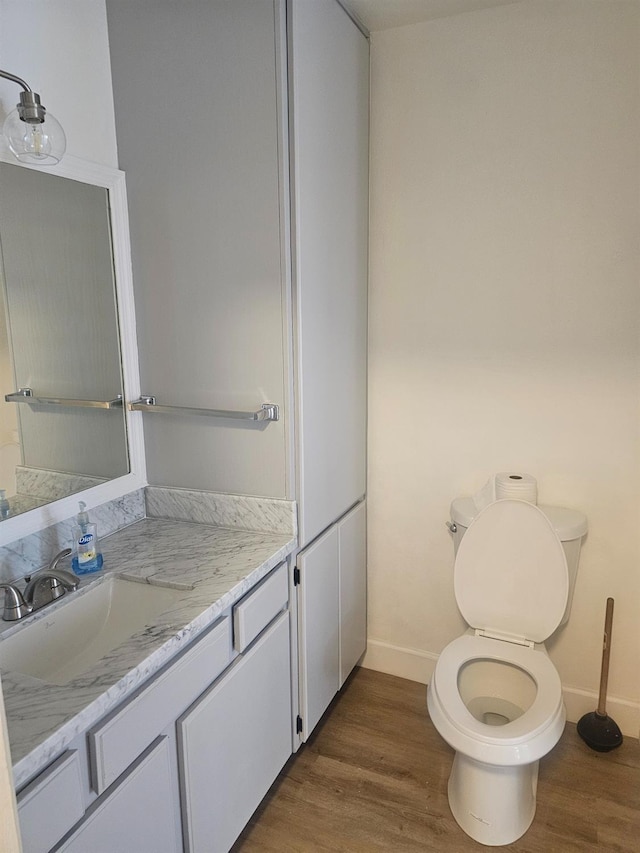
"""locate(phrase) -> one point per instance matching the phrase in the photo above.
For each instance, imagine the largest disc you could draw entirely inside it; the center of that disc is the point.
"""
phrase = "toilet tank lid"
(568, 523)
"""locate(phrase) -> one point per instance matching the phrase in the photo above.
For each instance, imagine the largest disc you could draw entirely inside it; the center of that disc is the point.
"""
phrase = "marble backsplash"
(31, 553)
(261, 515)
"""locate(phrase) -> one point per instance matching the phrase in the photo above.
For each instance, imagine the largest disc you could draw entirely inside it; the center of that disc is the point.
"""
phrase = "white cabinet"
(233, 743)
(138, 814)
(329, 101)
(332, 612)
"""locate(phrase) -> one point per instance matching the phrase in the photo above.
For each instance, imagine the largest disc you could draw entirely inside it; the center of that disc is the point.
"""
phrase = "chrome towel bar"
(26, 395)
(267, 412)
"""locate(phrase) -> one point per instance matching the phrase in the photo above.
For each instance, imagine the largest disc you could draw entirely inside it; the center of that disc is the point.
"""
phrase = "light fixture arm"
(15, 79)
(29, 109)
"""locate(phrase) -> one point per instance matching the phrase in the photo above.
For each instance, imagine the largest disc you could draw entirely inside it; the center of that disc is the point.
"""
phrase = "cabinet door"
(233, 743)
(319, 628)
(352, 543)
(139, 814)
(329, 84)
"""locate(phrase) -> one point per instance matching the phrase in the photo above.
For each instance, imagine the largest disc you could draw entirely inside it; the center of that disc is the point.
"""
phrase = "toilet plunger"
(596, 729)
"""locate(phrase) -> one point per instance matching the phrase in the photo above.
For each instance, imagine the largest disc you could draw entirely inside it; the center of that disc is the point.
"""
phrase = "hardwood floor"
(373, 777)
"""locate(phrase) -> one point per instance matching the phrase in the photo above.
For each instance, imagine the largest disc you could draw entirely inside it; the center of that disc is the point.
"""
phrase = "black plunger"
(597, 729)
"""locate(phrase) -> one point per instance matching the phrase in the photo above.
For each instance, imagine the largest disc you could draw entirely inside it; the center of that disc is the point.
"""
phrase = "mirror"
(60, 338)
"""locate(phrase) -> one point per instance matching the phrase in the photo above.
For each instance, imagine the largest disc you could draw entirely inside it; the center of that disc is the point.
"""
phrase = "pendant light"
(33, 134)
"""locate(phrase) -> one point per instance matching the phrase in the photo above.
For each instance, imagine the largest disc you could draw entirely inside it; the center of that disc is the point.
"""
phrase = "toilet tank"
(569, 524)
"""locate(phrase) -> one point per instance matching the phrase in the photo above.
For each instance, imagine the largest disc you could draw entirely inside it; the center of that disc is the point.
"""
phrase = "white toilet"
(495, 695)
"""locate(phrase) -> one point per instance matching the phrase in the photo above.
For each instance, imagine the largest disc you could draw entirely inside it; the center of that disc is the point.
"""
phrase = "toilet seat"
(510, 574)
(521, 741)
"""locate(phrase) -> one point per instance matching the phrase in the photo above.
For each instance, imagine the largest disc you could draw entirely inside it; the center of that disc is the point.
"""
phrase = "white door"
(319, 628)
(352, 544)
(329, 100)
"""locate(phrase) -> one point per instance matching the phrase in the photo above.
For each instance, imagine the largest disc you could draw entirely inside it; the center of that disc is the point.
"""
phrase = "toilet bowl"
(495, 696)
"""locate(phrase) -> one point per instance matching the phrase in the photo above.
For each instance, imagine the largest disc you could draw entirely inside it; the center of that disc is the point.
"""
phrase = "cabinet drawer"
(51, 804)
(125, 733)
(258, 608)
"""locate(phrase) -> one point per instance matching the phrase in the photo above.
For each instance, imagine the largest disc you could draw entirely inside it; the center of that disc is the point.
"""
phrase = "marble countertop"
(212, 566)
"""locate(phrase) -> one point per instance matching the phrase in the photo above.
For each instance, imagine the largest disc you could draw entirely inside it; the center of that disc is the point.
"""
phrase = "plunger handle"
(606, 649)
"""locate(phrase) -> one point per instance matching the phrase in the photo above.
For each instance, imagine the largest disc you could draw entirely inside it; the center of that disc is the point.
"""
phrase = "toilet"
(495, 696)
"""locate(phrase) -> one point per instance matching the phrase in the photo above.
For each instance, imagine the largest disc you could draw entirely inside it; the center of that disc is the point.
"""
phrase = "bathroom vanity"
(120, 757)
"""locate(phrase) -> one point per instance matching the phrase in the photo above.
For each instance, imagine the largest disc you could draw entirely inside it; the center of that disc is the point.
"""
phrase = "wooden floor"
(373, 777)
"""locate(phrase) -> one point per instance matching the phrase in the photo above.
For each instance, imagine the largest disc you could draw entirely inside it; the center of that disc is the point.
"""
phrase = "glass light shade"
(41, 144)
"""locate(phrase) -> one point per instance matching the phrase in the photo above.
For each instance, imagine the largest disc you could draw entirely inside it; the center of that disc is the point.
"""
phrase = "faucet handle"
(15, 606)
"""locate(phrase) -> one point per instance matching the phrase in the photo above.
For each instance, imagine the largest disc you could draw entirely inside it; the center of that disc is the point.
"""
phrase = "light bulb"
(42, 143)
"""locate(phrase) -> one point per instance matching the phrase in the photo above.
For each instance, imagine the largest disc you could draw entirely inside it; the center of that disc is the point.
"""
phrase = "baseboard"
(412, 664)
(418, 665)
(626, 714)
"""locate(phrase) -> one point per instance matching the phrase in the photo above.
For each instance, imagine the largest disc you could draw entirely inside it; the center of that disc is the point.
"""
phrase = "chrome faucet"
(42, 588)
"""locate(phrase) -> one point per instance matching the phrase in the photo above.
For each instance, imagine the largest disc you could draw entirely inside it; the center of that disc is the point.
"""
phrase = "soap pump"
(87, 556)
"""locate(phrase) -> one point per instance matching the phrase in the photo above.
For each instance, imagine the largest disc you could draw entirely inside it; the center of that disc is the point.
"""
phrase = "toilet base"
(494, 805)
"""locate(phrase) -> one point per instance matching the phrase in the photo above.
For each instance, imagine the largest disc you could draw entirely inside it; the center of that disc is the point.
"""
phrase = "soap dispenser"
(87, 556)
(5, 508)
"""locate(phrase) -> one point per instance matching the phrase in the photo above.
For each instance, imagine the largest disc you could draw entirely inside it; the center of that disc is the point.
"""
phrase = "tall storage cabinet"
(243, 129)
(329, 114)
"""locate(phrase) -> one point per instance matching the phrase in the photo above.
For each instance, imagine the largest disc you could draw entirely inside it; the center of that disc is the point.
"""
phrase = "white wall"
(61, 49)
(504, 313)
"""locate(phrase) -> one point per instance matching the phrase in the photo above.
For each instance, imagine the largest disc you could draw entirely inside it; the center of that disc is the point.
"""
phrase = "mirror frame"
(113, 180)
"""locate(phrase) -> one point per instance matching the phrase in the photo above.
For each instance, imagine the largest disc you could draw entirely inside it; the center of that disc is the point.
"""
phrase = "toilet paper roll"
(517, 486)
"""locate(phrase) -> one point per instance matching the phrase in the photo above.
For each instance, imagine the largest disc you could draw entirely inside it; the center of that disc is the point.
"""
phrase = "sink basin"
(69, 639)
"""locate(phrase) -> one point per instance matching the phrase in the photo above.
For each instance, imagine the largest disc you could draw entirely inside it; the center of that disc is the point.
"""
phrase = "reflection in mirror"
(58, 337)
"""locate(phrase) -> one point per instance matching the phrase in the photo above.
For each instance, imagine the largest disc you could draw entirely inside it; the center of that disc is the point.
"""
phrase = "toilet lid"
(510, 574)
